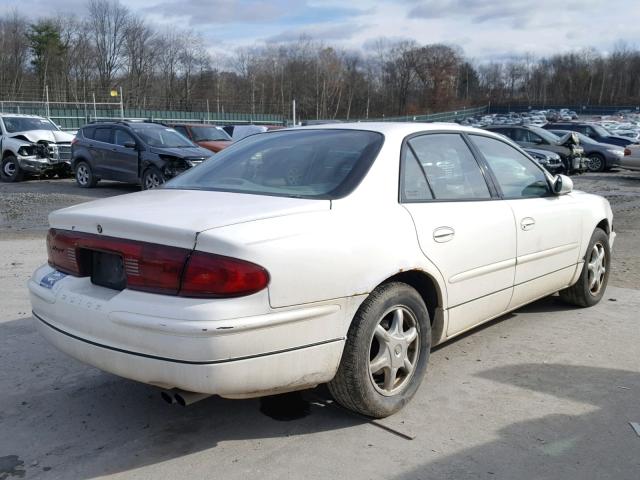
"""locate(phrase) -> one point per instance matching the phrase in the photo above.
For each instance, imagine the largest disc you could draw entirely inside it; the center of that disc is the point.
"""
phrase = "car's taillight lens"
(209, 275)
(627, 152)
(157, 268)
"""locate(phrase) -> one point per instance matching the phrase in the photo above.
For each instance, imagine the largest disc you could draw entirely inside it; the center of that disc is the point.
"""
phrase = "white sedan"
(336, 254)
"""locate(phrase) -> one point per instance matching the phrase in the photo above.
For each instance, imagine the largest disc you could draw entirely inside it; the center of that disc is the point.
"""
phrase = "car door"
(462, 227)
(548, 225)
(99, 148)
(124, 159)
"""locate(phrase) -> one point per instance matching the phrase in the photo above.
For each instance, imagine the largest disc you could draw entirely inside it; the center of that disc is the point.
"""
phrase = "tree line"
(109, 47)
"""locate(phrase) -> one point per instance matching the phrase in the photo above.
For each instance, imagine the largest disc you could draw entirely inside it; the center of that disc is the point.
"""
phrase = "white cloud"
(483, 28)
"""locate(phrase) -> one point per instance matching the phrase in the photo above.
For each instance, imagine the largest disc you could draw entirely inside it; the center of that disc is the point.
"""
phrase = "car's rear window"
(323, 164)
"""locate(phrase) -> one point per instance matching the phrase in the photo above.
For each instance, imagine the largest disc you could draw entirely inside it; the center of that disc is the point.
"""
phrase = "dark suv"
(132, 152)
(592, 130)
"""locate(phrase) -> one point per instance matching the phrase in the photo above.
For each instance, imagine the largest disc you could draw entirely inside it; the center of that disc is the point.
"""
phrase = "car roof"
(23, 115)
(191, 124)
(404, 128)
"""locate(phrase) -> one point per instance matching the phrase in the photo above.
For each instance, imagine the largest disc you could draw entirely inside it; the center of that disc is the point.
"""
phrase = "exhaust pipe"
(184, 398)
(168, 397)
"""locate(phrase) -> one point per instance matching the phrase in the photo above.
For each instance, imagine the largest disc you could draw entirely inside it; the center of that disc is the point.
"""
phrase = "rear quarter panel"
(324, 255)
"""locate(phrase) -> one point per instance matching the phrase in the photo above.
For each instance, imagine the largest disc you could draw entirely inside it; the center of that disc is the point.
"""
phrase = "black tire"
(354, 387)
(596, 163)
(152, 178)
(84, 175)
(583, 293)
(11, 171)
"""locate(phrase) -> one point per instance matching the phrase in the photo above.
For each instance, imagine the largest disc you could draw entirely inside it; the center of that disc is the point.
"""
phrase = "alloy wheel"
(595, 164)
(152, 180)
(9, 168)
(82, 175)
(394, 351)
(596, 268)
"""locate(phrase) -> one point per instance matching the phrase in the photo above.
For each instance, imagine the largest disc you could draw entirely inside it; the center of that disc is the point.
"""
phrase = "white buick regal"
(336, 254)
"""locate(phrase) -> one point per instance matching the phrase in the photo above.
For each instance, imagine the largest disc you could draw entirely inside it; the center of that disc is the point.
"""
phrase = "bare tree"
(108, 20)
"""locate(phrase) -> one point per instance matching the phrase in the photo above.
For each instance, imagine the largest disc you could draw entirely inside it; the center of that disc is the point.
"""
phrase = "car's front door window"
(452, 172)
(517, 175)
(122, 138)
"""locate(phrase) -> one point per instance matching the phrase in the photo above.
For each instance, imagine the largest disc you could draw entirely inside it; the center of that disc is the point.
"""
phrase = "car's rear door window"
(102, 134)
(447, 168)
(516, 174)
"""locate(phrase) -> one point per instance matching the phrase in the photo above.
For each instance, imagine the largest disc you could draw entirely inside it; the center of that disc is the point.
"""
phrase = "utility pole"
(294, 112)
(95, 113)
(208, 119)
(46, 92)
(121, 105)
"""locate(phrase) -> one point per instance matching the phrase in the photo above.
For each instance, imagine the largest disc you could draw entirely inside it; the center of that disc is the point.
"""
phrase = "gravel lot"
(546, 392)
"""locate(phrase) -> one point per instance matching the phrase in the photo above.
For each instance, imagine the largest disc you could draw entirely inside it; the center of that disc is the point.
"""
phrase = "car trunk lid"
(175, 217)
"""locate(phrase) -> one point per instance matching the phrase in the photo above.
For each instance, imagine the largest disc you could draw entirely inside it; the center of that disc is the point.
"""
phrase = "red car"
(207, 136)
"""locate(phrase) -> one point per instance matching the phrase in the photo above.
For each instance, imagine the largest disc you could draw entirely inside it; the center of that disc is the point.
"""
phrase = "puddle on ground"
(11, 466)
(285, 407)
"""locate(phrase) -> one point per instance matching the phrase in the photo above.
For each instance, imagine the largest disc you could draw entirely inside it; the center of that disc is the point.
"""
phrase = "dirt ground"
(546, 392)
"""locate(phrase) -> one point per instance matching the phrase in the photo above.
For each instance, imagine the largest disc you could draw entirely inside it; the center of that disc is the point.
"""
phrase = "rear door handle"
(527, 223)
(443, 234)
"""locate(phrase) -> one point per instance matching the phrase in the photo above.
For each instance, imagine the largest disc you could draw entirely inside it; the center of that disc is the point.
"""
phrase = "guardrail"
(450, 116)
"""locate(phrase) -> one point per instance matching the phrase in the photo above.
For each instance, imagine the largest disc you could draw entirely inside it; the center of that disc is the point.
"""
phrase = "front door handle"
(527, 223)
(443, 234)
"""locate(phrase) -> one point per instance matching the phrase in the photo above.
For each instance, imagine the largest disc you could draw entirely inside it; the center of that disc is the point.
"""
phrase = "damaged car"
(568, 147)
(142, 153)
(33, 145)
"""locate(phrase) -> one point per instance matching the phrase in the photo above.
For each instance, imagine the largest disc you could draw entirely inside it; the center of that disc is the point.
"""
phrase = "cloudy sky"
(485, 29)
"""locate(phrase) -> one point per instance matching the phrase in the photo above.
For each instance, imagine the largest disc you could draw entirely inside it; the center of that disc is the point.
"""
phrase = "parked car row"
(531, 137)
(145, 153)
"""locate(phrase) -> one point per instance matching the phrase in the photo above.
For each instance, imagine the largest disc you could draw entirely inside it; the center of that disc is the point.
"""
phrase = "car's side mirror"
(129, 145)
(562, 185)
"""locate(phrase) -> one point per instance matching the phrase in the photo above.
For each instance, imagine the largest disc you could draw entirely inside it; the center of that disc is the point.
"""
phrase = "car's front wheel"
(152, 178)
(386, 352)
(593, 280)
(11, 171)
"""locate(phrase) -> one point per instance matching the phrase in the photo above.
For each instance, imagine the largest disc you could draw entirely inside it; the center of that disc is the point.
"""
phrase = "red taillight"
(627, 151)
(157, 268)
(209, 275)
(74, 140)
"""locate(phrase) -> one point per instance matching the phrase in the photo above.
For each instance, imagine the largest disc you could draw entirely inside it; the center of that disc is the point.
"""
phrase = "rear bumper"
(234, 348)
(235, 378)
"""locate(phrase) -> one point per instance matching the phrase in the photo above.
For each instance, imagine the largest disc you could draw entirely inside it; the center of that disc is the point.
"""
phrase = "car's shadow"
(78, 413)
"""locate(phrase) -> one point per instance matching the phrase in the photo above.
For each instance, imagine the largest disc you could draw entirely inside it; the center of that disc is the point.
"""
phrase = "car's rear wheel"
(11, 171)
(593, 280)
(386, 352)
(152, 178)
(596, 163)
(84, 175)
